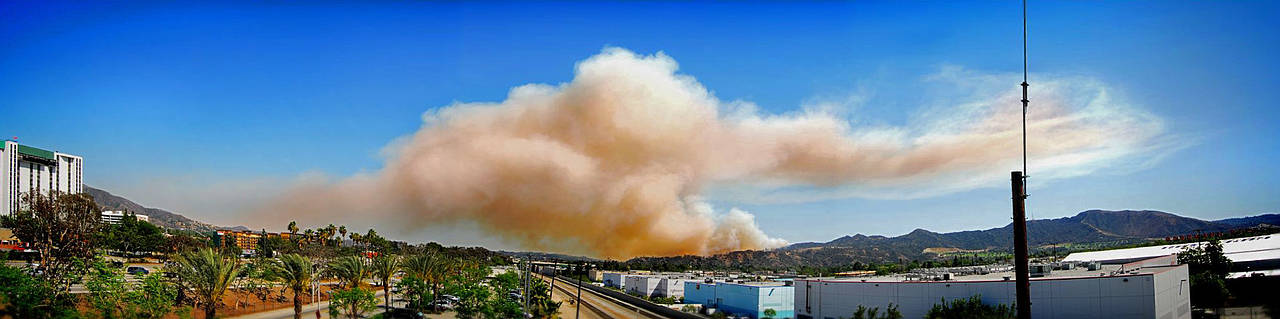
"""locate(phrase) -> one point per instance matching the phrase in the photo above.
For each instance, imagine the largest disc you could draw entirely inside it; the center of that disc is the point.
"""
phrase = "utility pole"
(315, 288)
(525, 295)
(1021, 267)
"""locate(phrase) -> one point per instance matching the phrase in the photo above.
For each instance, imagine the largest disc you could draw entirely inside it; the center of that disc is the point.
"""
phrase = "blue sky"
(187, 95)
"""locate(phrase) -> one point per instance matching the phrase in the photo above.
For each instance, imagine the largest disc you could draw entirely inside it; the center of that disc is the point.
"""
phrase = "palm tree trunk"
(210, 310)
(434, 297)
(386, 292)
(297, 305)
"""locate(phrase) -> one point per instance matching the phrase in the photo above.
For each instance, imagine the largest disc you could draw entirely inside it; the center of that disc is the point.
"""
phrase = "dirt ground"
(240, 301)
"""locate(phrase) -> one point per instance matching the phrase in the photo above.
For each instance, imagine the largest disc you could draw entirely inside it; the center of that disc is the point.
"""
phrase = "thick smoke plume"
(612, 163)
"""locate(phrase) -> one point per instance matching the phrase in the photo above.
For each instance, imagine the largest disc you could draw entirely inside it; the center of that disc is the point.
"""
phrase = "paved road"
(608, 306)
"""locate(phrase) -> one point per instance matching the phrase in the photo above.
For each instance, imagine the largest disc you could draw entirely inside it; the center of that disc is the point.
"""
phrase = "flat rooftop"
(1104, 271)
(1239, 250)
(758, 283)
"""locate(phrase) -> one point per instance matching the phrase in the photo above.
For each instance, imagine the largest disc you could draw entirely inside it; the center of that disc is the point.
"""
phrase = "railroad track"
(603, 305)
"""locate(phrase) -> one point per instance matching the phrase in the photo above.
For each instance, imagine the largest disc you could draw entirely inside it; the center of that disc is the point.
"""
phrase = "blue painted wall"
(742, 299)
(700, 293)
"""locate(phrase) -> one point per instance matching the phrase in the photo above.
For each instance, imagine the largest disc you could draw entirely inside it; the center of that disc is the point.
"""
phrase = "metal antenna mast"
(1021, 264)
(1025, 101)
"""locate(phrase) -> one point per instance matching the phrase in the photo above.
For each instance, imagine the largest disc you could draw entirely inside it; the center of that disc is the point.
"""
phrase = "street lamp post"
(315, 288)
(577, 309)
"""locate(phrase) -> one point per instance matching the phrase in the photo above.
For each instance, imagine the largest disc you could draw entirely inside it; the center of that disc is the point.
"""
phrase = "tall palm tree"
(296, 272)
(350, 270)
(329, 232)
(356, 238)
(342, 230)
(293, 227)
(207, 272)
(384, 267)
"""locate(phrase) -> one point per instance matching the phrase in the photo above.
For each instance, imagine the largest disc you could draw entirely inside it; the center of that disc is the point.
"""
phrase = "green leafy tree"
(375, 242)
(506, 281)
(1208, 267)
(208, 273)
(24, 296)
(107, 289)
(268, 245)
(416, 293)
(511, 281)
(353, 302)
(295, 272)
(506, 308)
(133, 236)
(114, 297)
(431, 268)
(385, 267)
(971, 307)
(184, 241)
(154, 297)
(689, 309)
(472, 297)
(770, 313)
(62, 229)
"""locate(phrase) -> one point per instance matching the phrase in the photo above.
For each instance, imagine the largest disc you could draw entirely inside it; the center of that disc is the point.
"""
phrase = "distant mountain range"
(159, 217)
(1091, 226)
(1087, 226)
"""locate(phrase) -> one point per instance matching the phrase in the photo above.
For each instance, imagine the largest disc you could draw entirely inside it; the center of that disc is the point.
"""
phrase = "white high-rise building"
(25, 169)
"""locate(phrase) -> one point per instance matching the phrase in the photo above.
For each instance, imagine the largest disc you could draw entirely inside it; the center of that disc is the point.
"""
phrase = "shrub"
(352, 301)
(23, 296)
(971, 307)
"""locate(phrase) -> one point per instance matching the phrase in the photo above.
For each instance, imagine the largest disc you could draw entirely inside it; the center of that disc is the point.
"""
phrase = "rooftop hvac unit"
(1094, 266)
(1040, 270)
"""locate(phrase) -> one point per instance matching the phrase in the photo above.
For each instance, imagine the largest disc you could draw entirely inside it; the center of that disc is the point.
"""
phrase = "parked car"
(137, 271)
(443, 304)
(402, 313)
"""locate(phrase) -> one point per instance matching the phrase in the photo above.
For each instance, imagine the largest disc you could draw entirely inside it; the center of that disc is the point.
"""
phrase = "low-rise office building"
(113, 217)
(1143, 289)
(752, 300)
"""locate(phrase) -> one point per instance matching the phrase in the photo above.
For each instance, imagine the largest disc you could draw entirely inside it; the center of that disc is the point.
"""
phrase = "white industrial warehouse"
(1156, 288)
(1257, 253)
(656, 286)
(616, 279)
